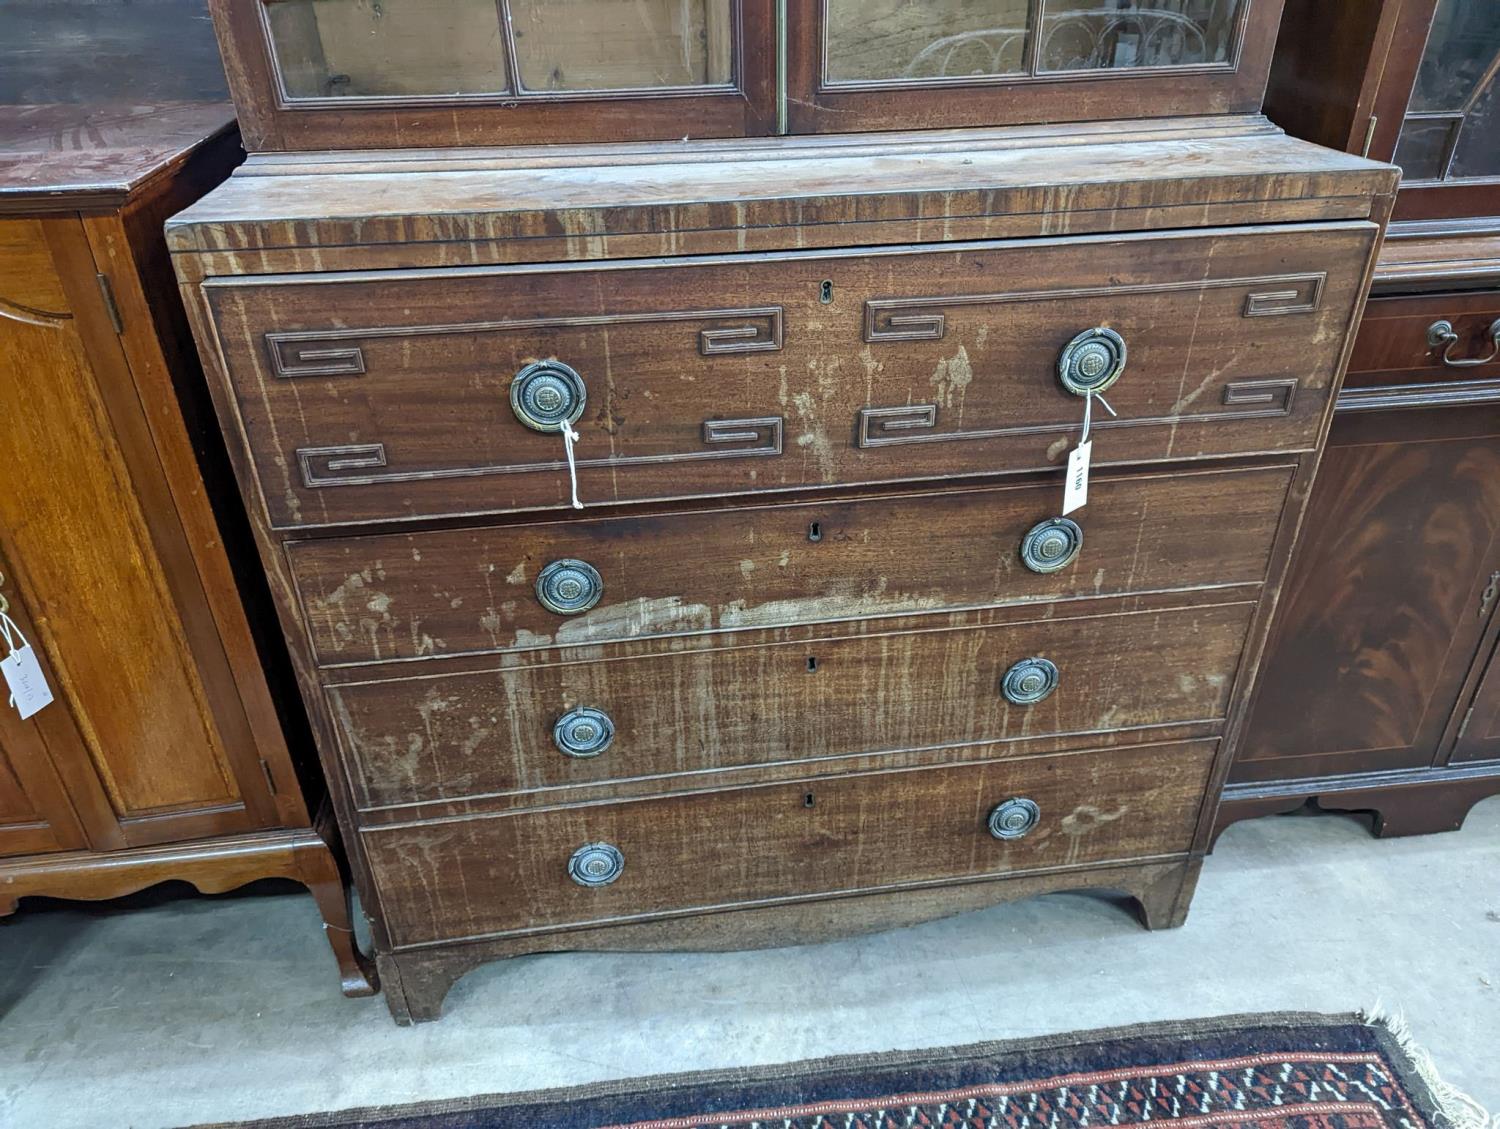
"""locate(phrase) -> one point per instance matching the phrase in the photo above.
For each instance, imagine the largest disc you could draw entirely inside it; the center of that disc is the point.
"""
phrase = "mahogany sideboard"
(1382, 686)
(163, 755)
(667, 527)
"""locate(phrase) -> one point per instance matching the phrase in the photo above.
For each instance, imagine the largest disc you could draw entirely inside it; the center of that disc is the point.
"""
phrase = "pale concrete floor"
(206, 1009)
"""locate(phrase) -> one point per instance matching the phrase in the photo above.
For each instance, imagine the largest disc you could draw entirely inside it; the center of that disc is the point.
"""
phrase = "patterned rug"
(1289, 1071)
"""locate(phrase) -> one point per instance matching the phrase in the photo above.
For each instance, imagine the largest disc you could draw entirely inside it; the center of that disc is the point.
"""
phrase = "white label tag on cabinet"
(1076, 492)
(29, 691)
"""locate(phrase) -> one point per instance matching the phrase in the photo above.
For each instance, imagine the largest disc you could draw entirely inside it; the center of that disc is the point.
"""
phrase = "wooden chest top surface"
(596, 202)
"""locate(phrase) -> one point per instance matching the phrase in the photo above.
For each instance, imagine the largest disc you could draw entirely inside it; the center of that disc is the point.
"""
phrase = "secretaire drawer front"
(510, 729)
(393, 395)
(473, 877)
(1431, 339)
(450, 592)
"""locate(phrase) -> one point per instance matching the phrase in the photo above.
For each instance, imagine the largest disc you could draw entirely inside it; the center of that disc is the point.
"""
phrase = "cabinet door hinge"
(1370, 134)
(107, 292)
(270, 780)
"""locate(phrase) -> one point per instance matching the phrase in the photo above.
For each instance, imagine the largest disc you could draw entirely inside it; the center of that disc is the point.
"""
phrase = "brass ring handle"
(1014, 819)
(1442, 333)
(569, 587)
(1029, 681)
(548, 396)
(1092, 361)
(1052, 545)
(596, 864)
(583, 732)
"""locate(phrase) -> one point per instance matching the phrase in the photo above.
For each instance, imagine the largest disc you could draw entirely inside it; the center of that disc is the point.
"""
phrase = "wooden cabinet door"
(1479, 730)
(1385, 609)
(36, 816)
(97, 555)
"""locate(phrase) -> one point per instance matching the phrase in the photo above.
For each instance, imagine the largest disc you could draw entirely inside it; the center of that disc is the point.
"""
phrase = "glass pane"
(885, 40)
(91, 52)
(368, 48)
(1094, 34)
(1457, 78)
(622, 44)
(1460, 57)
(1423, 148)
(1478, 152)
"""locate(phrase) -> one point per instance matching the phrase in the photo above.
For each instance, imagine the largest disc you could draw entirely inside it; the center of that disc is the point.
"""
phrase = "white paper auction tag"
(29, 691)
(1076, 490)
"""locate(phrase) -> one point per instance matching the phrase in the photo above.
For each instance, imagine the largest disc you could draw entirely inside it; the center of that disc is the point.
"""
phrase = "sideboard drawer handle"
(1014, 818)
(548, 395)
(1029, 681)
(569, 587)
(1092, 361)
(1052, 545)
(596, 864)
(1442, 333)
(583, 732)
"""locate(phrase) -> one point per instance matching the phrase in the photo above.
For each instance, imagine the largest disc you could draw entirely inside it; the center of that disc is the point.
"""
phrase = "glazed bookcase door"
(319, 74)
(894, 64)
(1437, 112)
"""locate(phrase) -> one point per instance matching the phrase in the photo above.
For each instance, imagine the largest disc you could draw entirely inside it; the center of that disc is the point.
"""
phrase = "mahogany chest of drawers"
(819, 652)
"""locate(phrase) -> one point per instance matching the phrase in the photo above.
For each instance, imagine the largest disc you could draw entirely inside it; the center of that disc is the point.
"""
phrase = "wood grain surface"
(412, 419)
(1392, 349)
(488, 729)
(452, 207)
(460, 591)
(1385, 610)
(462, 879)
(163, 755)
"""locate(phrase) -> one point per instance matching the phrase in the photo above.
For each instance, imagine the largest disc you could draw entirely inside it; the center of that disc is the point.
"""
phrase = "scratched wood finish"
(471, 878)
(330, 212)
(386, 396)
(1385, 609)
(957, 271)
(489, 730)
(451, 592)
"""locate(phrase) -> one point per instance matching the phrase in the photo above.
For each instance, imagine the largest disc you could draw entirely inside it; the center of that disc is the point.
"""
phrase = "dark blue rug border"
(863, 1076)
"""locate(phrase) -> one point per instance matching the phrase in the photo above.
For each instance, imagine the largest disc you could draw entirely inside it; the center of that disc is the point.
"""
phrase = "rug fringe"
(1462, 1111)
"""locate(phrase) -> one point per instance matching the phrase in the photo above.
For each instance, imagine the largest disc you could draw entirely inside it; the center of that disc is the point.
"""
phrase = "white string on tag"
(1088, 417)
(10, 631)
(569, 438)
(22, 673)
